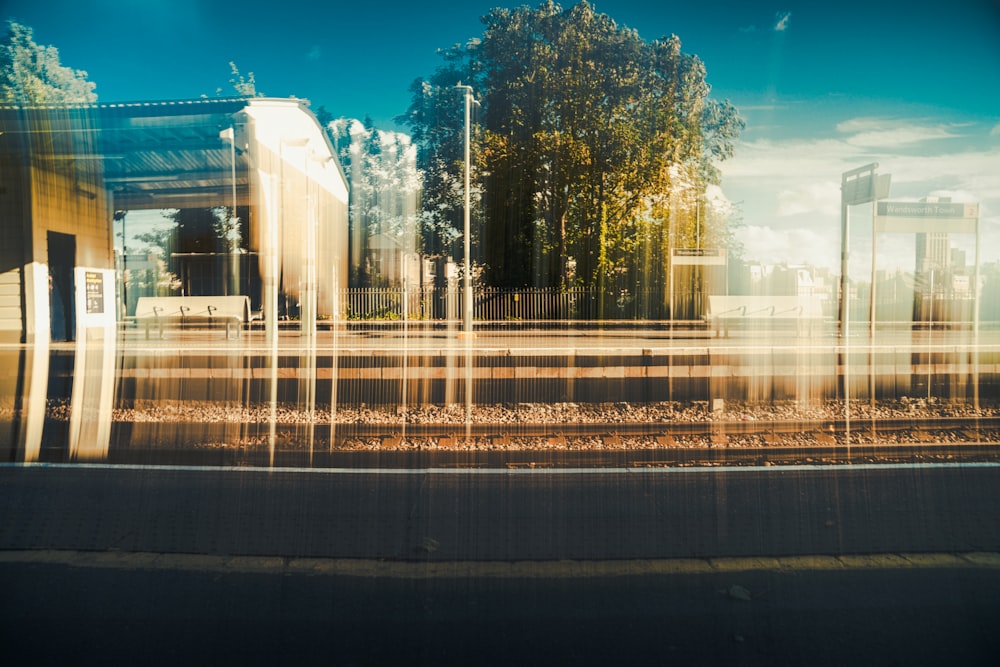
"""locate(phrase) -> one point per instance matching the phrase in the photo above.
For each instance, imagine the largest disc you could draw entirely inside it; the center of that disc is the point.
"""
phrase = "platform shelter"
(69, 174)
(70, 178)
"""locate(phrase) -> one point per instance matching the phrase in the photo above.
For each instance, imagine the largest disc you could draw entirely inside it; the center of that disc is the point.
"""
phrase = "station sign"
(698, 256)
(864, 188)
(95, 299)
(926, 217)
(94, 291)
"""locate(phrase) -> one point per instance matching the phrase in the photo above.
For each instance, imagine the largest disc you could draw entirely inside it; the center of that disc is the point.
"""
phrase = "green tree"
(384, 184)
(436, 124)
(204, 238)
(593, 153)
(244, 87)
(32, 74)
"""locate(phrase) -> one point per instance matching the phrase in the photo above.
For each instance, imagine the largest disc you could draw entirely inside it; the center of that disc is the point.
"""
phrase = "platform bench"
(800, 312)
(161, 312)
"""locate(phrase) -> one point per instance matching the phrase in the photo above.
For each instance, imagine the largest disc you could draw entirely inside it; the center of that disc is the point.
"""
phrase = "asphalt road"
(819, 566)
(58, 614)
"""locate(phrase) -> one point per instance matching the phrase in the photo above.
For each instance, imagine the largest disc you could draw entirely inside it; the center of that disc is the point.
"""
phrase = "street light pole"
(467, 318)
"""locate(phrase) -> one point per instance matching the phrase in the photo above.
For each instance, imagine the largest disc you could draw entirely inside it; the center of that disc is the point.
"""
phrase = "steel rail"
(591, 428)
(562, 458)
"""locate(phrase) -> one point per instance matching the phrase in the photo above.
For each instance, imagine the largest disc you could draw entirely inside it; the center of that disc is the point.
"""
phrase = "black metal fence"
(494, 304)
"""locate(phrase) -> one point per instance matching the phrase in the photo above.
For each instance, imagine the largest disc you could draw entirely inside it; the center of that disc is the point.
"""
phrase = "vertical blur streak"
(335, 365)
(273, 398)
(35, 376)
(976, 289)
(234, 241)
(872, 317)
(467, 271)
(270, 302)
(307, 376)
(307, 372)
(468, 389)
(870, 361)
(452, 337)
(403, 393)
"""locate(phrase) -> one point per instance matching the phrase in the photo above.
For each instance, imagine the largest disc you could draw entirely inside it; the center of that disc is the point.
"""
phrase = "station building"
(256, 208)
(71, 177)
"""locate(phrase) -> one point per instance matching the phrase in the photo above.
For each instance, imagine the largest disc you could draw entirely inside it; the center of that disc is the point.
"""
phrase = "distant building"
(933, 252)
(958, 261)
(942, 287)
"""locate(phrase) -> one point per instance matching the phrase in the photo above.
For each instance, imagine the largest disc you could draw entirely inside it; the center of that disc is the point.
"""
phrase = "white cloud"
(995, 132)
(788, 187)
(887, 132)
(861, 124)
(899, 137)
(822, 197)
(973, 173)
(783, 20)
(778, 164)
(758, 107)
(800, 245)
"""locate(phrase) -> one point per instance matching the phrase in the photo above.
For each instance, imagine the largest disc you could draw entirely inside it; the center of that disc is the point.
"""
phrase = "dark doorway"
(62, 262)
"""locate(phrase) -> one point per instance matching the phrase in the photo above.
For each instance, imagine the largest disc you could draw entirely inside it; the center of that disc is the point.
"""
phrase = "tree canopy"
(32, 74)
(593, 147)
(244, 87)
(384, 183)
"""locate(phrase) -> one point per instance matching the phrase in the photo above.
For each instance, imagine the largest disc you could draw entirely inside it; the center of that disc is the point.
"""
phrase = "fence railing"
(496, 304)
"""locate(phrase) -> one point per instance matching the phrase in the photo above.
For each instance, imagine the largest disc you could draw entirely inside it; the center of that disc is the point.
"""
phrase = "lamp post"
(119, 216)
(232, 232)
(467, 283)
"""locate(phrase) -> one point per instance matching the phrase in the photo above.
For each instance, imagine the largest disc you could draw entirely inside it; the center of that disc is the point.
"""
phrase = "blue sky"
(824, 86)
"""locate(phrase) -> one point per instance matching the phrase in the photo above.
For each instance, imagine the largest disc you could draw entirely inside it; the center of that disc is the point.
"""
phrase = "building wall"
(52, 182)
(13, 252)
(300, 195)
(73, 204)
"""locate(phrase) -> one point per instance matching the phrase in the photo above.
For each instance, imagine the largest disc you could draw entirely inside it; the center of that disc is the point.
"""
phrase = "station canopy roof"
(177, 154)
(154, 155)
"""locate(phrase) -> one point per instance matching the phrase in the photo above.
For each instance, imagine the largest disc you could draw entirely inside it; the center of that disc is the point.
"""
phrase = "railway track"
(560, 445)
(958, 428)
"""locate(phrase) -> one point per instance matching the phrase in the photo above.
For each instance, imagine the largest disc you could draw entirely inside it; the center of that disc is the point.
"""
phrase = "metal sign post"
(857, 186)
(695, 257)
